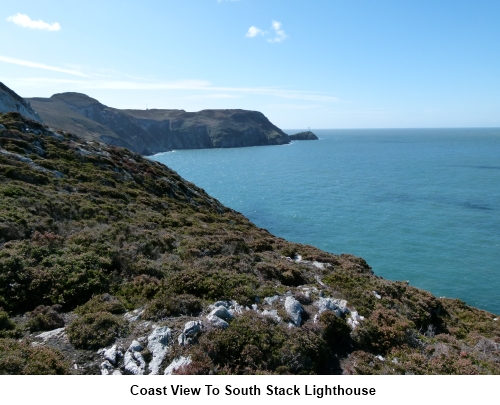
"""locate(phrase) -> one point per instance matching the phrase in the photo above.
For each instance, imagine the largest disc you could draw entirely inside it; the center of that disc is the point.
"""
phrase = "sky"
(316, 63)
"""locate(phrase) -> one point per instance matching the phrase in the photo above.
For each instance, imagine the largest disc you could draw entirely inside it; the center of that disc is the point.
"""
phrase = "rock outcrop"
(12, 102)
(304, 136)
(154, 131)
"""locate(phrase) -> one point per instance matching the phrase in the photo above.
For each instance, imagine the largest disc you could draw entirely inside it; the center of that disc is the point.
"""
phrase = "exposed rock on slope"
(153, 131)
(11, 102)
(131, 269)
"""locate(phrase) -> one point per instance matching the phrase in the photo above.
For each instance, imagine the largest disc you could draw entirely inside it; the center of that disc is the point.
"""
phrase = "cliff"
(10, 101)
(304, 136)
(153, 131)
(113, 264)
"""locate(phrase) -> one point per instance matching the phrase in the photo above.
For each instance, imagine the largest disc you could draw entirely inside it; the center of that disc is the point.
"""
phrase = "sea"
(420, 205)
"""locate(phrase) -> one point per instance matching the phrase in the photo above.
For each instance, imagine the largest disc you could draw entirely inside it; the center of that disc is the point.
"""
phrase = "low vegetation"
(89, 232)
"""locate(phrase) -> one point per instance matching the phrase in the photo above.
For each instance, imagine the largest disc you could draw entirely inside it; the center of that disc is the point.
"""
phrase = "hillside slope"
(130, 269)
(153, 131)
(12, 102)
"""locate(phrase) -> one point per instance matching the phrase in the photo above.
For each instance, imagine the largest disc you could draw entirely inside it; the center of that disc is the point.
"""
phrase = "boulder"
(158, 344)
(177, 364)
(294, 310)
(135, 346)
(134, 363)
(273, 313)
(111, 354)
(222, 313)
(192, 328)
(330, 304)
(217, 322)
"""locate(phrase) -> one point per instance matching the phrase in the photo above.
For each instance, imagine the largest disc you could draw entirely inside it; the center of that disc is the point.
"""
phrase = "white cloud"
(40, 66)
(280, 34)
(24, 21)
(254, 31)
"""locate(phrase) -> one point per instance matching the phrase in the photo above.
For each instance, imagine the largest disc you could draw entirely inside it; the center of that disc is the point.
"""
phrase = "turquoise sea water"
(419, 204)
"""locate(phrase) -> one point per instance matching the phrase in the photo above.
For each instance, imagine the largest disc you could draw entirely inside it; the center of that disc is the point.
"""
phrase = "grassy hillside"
(107, 244)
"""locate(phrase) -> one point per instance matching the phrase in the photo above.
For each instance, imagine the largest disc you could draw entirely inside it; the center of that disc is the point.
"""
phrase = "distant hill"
(304, 136)
(12, 102)
(153, 131)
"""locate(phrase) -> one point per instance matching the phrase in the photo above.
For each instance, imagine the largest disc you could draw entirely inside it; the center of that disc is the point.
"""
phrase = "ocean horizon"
(417, 204)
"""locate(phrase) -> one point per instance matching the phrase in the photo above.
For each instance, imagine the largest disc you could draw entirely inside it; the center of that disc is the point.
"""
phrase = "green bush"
(255, 344)
(45, 318)
(101, 303)
(5, 322)
(384, 329)
(169, 305)
(21, 358)
(95, 330)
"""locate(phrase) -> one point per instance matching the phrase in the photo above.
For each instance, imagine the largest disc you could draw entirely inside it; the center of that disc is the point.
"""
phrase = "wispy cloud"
(280, 34)
(40, 66)
(254, 31)
(118, 81)
(212, 96)
(24, 21)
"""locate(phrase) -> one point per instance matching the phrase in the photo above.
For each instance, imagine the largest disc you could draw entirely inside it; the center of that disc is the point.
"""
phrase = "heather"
(108, 244)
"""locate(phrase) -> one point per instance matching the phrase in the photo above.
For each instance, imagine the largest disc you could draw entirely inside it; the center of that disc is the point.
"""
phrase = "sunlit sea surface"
(417, 204)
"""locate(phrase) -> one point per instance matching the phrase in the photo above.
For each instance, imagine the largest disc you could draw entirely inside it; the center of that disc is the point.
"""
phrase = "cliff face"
(12, 102)
(154, 131)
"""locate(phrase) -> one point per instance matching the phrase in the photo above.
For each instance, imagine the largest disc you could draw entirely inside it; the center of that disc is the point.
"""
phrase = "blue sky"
(316, 63)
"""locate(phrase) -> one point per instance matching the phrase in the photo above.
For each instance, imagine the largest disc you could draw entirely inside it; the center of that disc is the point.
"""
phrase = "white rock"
(331, 304)
(380, 357)
(177, 364)
(294, 310)
(273, 313)
(117, 372)
(254, 307)
(236, 308)
(134, 363)
(192, 328)
(354, 319)
(181, 339)
(377, 295)
(158, 345)
(110, 354)
(134, 316)
(319, 265)
(217, 322)
(135, 346)
(271, 300)
(224, 304)
(222, 313)
(106, 368)
(51, 334)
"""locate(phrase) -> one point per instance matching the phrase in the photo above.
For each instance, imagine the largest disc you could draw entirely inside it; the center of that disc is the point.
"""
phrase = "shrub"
(95, 330)
(21, 358)
(384, 329)
(336, 332)
(101, 303)
(5, 322)
(45, 318)
(255, 344)
(168, 305)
